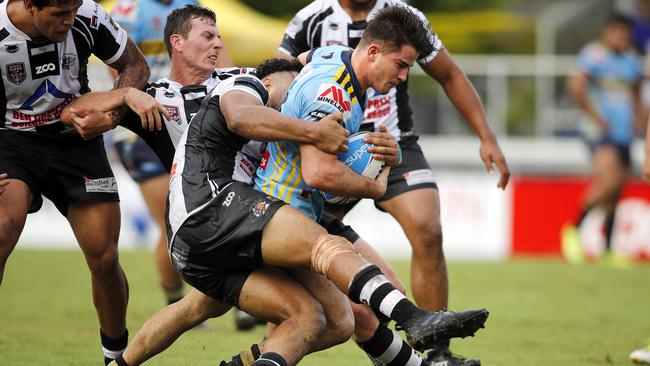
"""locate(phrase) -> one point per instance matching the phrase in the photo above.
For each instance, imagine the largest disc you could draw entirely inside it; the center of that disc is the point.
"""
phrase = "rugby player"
(44, 51)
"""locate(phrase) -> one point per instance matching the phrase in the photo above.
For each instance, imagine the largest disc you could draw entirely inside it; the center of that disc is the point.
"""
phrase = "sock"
(270, 359)
(370, 286)
(390, 349)
(173, 294)
(583, 214)
(119, 361)
(113, 347)
(609, 228)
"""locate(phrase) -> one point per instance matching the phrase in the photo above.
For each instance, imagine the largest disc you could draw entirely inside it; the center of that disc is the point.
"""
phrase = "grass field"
(542, 313)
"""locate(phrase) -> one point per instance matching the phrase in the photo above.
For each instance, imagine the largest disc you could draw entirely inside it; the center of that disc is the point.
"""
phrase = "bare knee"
(102, 263)
(428, 237)
(341, 328)
(10, 229)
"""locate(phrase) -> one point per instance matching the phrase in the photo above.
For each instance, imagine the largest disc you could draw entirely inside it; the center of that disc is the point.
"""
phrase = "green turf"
(542, 313)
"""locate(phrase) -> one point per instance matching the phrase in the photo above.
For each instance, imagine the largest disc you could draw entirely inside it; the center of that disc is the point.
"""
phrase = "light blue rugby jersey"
(613, 78)
(326, 85)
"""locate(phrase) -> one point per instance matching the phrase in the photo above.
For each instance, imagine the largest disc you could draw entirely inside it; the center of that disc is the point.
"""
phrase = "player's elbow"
(316, 177)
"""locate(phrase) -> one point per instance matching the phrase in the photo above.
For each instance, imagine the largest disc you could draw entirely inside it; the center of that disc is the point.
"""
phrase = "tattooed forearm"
(131, 67)
(132, 71)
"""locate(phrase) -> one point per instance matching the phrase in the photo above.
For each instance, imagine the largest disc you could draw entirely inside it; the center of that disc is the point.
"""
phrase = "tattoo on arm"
(132, 69)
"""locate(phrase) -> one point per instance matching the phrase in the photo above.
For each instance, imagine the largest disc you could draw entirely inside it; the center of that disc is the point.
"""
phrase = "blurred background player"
(43, 157)
(144, 20)
(412, 196)
(606, 87)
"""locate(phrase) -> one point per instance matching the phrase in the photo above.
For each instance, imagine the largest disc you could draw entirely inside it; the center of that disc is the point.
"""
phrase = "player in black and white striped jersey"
(44, 51)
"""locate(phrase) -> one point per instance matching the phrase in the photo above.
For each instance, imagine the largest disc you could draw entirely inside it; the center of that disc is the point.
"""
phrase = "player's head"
(192, 37)
(277, 74)
(617, 33)
(391, 43)
(53, 18)
(360, 2)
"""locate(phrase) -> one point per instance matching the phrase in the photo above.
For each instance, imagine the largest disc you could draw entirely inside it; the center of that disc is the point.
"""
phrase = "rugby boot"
(425, 331)
(641, 356)
(444, 357)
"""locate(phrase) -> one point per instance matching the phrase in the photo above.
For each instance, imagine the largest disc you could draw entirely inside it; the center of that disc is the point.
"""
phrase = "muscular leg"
(96, 226)
(299, 318)
(154, 192)
(307, 245)
(14, 203)
(418, 212)
(164, 327)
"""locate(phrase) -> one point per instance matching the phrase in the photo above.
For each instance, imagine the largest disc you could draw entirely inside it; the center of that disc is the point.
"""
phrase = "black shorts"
(335, 226)
(217, 248)
(65, 169)
(139, 160)
(413, 173)
(623, 150)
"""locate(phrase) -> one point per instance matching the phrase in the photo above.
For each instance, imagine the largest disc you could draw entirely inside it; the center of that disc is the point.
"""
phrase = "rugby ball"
(359, 159)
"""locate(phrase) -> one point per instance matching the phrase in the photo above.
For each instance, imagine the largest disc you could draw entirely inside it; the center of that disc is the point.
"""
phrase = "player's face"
(391, 68)
(278, 88)
(54, 22)
(202, 46)
(617, 37)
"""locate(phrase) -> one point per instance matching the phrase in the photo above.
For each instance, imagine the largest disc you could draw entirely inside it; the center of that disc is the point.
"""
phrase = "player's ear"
(29, 7)
(267, 82)
(373, 51)
(176, 41)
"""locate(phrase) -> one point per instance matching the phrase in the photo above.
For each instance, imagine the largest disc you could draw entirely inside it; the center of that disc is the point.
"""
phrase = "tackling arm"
(246, 116)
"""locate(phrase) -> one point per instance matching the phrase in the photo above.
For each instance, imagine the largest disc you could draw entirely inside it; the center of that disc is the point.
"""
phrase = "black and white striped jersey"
(182, 103)
(325, 22)
(40, 77)
(205, 157)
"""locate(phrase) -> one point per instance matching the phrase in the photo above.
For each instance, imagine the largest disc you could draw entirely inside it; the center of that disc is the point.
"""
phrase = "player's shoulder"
(91, 10)
(314, 8)
(224, 73)
(595, 52)
(242, 82)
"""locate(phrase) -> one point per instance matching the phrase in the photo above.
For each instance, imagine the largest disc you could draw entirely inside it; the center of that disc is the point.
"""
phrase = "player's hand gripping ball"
(359, 159)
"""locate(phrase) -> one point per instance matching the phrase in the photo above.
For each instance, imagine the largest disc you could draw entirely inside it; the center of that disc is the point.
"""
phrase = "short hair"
(40, 4)
(619, 19)
(180, 19)
(396, 26)
(273, 65)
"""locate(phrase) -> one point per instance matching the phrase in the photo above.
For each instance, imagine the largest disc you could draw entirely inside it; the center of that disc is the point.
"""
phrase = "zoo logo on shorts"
(101, 185)
(260, 208)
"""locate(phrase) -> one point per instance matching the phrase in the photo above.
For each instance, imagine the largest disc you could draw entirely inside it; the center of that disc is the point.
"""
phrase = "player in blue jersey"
(607, 89)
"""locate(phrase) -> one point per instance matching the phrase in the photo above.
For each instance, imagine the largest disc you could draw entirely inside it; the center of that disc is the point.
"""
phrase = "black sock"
(113, 347)
(609, 228)
(119, 360)
(270, 359)
(173, 294)
(246, 357)
(370, 286)
(390, 349)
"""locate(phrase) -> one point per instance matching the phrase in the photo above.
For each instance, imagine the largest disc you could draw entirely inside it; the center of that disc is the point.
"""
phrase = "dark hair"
(619, 19)
(178, 22)
(273, 65)
(396, 26)
(40, 4)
